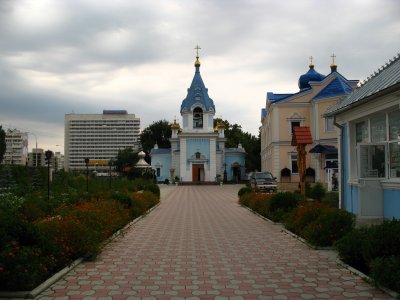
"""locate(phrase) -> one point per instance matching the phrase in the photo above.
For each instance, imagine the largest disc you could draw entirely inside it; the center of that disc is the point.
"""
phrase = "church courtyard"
(199, 243)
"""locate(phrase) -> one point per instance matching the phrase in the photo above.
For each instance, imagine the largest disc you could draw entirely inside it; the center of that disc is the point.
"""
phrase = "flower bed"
(33, 247)
(373, 250)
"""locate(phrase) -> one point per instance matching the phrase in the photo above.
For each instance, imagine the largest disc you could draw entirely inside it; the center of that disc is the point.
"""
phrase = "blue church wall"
(391, 204)
(164, 163)
(230, 160)
(198, 145)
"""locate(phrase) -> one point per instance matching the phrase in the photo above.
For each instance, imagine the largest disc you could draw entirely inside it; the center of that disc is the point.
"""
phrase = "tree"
(126, 158)
(158, 132)
(252, 144)
(2, 143)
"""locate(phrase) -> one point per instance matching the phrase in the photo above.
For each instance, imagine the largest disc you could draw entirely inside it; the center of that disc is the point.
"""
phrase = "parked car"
(263, 182)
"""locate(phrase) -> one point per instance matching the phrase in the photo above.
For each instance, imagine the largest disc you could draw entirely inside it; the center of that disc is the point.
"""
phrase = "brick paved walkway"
(200, 244)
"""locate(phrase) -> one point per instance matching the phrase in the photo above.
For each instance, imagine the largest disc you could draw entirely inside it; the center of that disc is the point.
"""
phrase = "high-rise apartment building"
(36, 158)
(98, 137)
(16, 147)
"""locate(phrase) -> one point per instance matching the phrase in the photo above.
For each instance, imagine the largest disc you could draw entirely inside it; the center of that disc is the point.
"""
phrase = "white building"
(98, 137)
(36, 158)
(16, 147)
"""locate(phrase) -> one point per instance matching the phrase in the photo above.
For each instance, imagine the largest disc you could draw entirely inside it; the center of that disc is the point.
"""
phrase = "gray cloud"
(86, 56)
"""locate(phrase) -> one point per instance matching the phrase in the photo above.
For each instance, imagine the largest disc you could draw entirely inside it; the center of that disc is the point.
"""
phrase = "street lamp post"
(87, 173)
(48, 154)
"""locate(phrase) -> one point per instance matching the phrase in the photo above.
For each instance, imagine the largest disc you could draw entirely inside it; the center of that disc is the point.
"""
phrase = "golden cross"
(197, 50)
(311, 58)
(333, 58)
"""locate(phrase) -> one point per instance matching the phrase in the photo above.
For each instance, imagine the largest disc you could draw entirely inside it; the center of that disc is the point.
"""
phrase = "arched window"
(197, 118)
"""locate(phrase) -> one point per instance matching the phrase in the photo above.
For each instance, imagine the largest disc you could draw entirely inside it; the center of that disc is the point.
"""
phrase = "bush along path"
(374, 250)
(34, 245)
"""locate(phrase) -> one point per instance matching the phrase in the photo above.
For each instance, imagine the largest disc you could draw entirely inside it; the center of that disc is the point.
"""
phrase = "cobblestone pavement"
(200, 244)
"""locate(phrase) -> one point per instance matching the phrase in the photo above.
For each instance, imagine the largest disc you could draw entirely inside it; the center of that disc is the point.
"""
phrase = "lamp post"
(87, 173)
(48, 154)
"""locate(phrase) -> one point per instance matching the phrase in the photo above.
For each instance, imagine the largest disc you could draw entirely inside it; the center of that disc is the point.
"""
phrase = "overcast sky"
(83, 56)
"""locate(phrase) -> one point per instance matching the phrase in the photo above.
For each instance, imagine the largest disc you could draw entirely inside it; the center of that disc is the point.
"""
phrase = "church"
(198, 153)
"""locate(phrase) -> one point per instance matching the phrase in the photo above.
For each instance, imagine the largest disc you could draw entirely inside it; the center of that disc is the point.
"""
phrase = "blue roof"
(277, 97)
(388, 76)
(338, 86)
(263, 112)
(197, 94)
(311, 75)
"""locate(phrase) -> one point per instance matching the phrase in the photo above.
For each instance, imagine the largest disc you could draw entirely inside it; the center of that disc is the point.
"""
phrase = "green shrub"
(246, 197)
(331, 199)
(283, 201)
(330, 225)
(22, 267)
(154, 188)
(10, 202)
(244, 190)
(259, 203)
(383, 240)
(386, 271)
(350, 248)
(317, 191)
(122, 198)
(303, 215)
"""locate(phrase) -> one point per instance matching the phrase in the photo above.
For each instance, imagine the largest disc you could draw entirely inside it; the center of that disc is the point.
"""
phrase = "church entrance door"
(197, 172)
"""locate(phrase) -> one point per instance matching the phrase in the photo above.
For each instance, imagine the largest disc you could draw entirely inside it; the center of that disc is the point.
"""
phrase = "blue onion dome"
(311, 75)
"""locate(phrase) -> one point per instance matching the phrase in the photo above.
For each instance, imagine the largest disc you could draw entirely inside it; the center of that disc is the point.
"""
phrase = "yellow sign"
(98, 162)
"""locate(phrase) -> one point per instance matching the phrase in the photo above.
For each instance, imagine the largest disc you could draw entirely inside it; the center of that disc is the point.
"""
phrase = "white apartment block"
(98, 137)
(16, 147)
(36, 158)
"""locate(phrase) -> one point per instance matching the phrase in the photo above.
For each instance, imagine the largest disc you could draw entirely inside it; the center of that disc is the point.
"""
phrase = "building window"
(378, 129)
(294, 124)
(158, 172)
(329, 126)
(197, 118)
(372, 161)
(378, 146)
(362, 132)
(293, 158)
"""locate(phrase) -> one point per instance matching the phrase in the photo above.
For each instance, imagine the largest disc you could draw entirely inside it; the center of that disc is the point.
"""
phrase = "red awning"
(301, 135)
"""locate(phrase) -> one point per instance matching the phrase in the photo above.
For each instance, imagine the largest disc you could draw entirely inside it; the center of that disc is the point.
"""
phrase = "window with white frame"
(378, 146)
(293, 163)
(329, 126)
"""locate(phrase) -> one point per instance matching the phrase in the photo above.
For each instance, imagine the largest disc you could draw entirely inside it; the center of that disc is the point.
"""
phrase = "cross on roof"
(197, 50)
(311, 58)
(333, 58)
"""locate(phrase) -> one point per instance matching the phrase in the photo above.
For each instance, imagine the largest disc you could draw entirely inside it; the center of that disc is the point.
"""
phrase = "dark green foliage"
(126, 158)
(283, 201)
(317, 192)
(375, 251)
(158, 132)
(331, 225)
(252, 144)
(350, 248)
(244, 190)
(331, 199)
(386, 271)
(383, 240)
